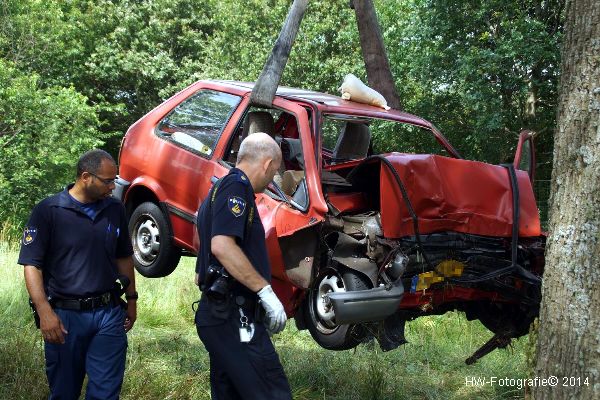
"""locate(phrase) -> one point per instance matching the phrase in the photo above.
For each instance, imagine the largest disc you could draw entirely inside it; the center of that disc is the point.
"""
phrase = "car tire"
(318, 315)
(154, 254)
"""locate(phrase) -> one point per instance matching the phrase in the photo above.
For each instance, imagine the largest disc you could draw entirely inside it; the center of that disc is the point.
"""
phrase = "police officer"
(243, 361)
(74, 248)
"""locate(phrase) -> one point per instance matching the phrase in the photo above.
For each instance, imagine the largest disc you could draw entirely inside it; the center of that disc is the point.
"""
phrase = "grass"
(166, 360)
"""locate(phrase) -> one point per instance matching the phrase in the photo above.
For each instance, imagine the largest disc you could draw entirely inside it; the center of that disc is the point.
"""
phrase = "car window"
(389, 136)
(283, 127)
(348, 137)
(197, 122)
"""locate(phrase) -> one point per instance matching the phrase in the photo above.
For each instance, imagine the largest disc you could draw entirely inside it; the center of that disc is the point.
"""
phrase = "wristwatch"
(132, 296)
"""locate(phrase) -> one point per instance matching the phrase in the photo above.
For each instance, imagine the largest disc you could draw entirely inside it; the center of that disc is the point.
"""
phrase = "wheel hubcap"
(147, 240)
(324, 307)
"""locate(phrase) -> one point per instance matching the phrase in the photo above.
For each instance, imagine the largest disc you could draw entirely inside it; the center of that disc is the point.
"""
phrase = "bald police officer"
(233, 272)
(74, 247)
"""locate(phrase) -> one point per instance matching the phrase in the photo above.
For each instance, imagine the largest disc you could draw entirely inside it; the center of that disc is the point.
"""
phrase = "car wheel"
(154, 255)
(320, 316)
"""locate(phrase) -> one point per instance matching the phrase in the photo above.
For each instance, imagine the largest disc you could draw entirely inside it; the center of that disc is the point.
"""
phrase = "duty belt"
(85, 304)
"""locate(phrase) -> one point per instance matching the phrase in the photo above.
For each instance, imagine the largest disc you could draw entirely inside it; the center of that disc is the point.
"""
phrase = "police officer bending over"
(234, 273)
(74, 248)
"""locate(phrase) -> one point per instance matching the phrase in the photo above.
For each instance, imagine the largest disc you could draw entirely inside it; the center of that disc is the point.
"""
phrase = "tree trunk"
(569, 335)
(268, 81)
(377, 64)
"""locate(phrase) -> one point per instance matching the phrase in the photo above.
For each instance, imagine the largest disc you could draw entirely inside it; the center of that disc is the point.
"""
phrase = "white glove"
(275, 317)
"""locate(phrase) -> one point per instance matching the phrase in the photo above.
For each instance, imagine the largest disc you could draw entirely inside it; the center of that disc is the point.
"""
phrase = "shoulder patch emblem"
(29, 235)
(236, 205)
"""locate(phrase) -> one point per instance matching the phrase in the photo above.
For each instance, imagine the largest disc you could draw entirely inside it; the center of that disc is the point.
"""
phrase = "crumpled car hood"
(450, 194)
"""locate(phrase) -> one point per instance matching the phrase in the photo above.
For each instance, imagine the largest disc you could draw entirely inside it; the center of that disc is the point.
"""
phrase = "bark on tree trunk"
(268, 81)
(377, 64)
(569, 334)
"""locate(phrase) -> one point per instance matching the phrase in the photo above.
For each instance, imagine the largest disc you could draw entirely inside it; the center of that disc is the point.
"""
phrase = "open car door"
(525, 154)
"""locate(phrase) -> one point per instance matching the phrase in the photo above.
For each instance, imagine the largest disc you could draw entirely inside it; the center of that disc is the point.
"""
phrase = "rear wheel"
(154, 254)
(320, 316)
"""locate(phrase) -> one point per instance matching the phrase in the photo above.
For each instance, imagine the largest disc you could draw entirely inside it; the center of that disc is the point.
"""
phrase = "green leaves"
(484, 70)
(42, 134)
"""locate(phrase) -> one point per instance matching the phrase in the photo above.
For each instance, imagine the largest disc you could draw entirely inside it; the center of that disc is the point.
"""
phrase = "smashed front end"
(429, 234)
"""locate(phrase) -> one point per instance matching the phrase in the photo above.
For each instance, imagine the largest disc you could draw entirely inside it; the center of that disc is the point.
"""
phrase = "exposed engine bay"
(369, 284)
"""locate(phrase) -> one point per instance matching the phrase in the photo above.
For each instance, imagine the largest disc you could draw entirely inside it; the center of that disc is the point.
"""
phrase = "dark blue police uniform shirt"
(76, 253)
(233, 201)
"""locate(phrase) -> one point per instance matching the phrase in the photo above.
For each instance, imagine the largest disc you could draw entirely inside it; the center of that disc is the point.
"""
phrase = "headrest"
(353, 142)
(258, 121)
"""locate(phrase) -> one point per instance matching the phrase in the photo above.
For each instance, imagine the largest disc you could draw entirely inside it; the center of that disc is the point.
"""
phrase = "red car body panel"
(434, 298)
(455, 195)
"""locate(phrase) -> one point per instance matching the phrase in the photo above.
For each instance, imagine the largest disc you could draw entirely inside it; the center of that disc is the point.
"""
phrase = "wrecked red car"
(374, 218)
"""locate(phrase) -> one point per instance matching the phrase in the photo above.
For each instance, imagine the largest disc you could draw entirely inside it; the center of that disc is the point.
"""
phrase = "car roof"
(328, 103)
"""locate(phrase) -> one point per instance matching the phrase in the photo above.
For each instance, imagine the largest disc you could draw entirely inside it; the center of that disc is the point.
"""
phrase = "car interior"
(282, 127)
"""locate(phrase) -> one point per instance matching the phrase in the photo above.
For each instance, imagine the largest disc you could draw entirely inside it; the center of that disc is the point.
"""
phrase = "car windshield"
(349, 137)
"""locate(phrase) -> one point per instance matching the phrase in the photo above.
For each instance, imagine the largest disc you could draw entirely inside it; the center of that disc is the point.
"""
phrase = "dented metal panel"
(454, 195)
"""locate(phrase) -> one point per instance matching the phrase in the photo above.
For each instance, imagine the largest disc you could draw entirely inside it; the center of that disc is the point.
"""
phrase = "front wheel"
(154, 255)
(320, 316)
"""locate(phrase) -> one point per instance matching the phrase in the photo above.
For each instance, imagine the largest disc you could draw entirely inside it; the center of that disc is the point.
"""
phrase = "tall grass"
(166, 360)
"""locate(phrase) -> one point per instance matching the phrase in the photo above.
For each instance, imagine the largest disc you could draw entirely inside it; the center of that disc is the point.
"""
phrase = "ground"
(166, 360)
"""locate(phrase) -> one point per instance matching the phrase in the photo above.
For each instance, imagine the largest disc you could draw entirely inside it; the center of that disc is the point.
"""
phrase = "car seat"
(258, 121)
(353, 142)
(255, 121)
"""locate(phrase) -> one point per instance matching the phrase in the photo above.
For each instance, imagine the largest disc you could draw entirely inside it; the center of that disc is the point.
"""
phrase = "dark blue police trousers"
(96, 344)
(248, 371)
